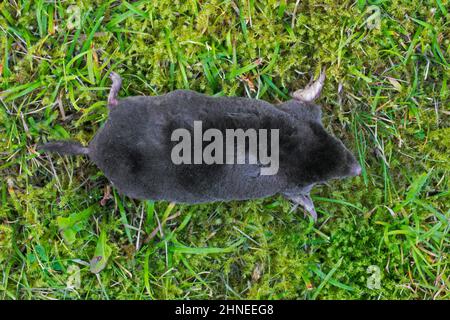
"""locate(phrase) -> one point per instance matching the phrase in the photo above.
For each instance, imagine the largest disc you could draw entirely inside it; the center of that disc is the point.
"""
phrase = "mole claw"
(115, 87)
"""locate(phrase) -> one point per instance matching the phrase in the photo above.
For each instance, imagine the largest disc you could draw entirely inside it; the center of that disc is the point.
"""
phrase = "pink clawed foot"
(115, 87)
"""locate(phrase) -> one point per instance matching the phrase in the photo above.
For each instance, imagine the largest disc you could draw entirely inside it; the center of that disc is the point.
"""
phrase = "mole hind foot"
(312, 90)
(115, 87)
(306, 202)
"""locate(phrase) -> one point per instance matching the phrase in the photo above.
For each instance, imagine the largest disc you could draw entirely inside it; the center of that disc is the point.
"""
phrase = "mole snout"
(355, 169)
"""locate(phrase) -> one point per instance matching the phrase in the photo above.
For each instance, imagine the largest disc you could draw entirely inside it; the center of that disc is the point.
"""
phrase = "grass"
(65, 235)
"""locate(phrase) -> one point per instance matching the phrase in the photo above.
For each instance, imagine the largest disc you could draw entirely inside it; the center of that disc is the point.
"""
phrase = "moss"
(438, 147)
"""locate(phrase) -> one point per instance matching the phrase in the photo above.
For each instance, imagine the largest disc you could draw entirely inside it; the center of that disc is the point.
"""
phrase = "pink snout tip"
(356, 170)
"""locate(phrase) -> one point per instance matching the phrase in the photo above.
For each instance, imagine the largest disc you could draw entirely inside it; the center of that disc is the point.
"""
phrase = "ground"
(383, 235)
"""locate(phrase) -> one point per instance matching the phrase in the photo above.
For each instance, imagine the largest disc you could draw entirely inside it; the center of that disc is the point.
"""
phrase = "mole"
(187, 147)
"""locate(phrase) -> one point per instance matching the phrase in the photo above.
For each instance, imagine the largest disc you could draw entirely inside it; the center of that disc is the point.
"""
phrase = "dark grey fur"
(133, 149)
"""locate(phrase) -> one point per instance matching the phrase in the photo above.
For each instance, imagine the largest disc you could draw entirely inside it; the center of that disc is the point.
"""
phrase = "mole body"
(136, 147)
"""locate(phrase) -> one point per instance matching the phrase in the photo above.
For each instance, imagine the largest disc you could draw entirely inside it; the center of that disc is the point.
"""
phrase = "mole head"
(328, 157)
